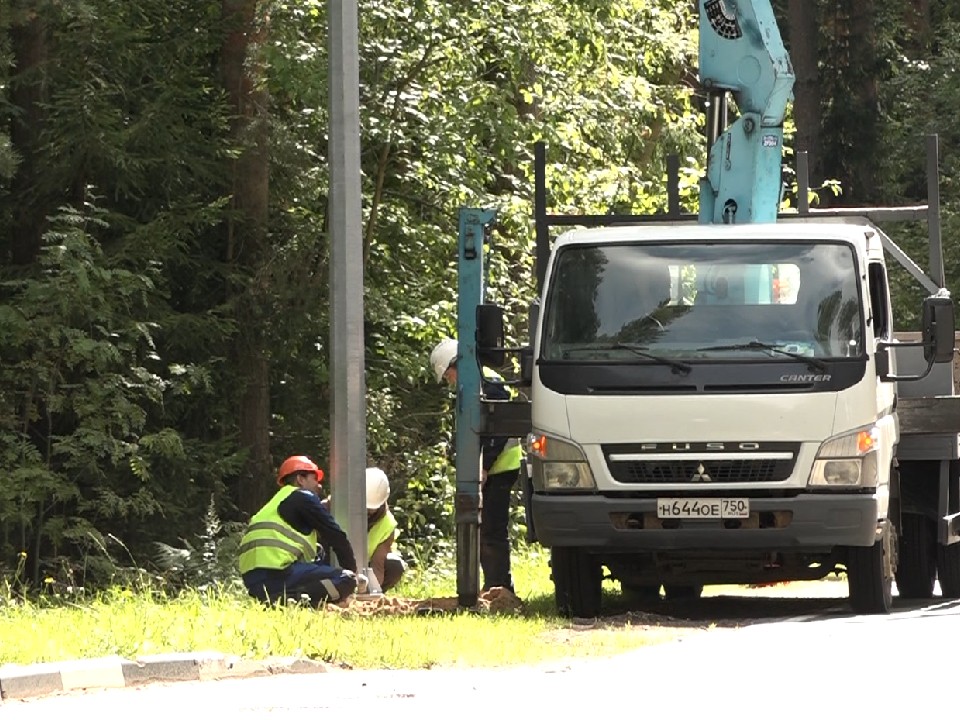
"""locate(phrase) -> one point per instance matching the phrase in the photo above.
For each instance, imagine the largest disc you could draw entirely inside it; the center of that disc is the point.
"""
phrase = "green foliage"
(207, 562)
(116, 420)
(78, 376)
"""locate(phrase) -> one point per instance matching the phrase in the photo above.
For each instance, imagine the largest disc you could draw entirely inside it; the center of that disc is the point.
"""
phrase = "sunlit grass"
(134, 623)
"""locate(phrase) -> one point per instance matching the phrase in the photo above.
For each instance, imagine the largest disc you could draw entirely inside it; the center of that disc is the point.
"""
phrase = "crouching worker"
(278, 553)
(387, 566)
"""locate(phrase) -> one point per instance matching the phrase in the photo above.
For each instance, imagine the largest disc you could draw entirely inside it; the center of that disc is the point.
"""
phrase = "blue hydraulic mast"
(470, 294)
(742, 53)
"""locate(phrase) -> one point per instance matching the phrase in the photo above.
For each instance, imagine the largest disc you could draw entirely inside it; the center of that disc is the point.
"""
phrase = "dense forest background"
(164, 334)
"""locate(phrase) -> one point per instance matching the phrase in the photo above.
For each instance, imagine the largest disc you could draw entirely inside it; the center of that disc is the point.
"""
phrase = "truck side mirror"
(937, 327)
(490, 350)
(882, 359)
(526, 365)
(526, 354)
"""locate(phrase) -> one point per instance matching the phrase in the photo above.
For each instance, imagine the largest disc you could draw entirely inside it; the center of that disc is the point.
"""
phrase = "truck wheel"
(917, 568)
(870, 575)
(682, 592)
(948, 567)
(577, 582)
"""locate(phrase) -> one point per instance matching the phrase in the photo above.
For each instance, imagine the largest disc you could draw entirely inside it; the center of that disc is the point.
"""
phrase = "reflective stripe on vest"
(380, 531)
(270, 542)
(511, 457)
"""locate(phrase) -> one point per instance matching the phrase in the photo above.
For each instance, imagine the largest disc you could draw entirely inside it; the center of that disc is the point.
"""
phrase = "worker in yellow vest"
(279, 557)
(382, 530)
(501, 459)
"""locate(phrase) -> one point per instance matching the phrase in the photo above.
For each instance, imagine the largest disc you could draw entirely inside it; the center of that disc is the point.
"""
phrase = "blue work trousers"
(315, 581)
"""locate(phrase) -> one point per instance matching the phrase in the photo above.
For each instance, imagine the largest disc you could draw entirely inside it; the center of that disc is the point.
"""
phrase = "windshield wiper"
(680, 367)
(757, 345)
(639, 350)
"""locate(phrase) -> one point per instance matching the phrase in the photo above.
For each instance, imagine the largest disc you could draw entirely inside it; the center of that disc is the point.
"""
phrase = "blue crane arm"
(742, 54)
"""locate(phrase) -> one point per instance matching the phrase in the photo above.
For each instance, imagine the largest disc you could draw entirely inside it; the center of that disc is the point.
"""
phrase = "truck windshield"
(709, 302)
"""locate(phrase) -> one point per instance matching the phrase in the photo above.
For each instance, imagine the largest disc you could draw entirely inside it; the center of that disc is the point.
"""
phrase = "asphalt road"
(786, 657)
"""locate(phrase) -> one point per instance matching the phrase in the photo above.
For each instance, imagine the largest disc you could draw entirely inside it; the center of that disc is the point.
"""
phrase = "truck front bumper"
(810, 522)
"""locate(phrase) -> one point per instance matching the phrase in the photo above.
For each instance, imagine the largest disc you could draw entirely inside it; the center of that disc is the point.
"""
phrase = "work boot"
(393, 569)
(495, 561)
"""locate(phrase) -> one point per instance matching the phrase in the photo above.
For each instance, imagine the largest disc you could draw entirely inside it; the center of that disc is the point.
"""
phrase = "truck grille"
(683, 470)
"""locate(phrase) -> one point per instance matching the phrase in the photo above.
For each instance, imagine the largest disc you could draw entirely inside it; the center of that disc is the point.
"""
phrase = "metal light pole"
(348, 455)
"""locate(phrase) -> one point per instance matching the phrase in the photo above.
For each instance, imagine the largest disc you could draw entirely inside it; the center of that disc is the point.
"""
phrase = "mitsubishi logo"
(701, 475)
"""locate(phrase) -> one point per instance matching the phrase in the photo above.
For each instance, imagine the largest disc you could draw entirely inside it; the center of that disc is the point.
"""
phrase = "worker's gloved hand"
(483, 477)
(362, 583)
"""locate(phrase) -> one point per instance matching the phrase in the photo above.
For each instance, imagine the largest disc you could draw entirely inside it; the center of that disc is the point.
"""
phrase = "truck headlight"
(558, 464)
(847, 461)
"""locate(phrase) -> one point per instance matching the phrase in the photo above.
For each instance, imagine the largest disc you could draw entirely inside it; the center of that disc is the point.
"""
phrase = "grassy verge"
(131, 623)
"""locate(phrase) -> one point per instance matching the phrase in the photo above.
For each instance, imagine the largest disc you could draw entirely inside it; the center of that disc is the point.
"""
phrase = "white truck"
(718, 404)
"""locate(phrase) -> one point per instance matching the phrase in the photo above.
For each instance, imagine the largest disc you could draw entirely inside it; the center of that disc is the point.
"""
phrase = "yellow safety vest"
(380, 531)
(271, 542)
(511, 457)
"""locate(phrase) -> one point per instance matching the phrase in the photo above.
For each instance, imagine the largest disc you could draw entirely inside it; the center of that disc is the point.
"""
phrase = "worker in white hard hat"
(382, 531)
(501, 459)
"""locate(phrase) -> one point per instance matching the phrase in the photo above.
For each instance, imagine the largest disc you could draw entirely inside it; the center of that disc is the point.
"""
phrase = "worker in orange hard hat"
(279, 556)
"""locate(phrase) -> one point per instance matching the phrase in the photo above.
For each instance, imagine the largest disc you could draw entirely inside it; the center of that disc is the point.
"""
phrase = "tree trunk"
(851, 124)
(247, 241)
(27, 90)
(804, 52)
(865, 121)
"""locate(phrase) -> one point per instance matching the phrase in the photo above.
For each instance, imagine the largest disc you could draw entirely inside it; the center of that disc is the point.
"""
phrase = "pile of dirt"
(496, 600)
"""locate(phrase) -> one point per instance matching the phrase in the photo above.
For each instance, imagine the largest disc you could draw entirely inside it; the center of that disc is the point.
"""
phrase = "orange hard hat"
(298, 463)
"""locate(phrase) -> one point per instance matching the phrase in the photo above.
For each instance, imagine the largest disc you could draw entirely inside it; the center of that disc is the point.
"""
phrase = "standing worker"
(387, 566)
(500, 462)
(278, 553)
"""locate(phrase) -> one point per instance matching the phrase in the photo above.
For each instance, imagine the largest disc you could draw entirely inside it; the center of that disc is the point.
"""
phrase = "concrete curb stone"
(22, 681)
(39, 679)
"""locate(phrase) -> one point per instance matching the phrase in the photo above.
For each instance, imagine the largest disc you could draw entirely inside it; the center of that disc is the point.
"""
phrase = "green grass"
(132, 623)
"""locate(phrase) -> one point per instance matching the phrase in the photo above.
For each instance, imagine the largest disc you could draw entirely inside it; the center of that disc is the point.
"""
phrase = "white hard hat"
(378, 488)
(443, 356)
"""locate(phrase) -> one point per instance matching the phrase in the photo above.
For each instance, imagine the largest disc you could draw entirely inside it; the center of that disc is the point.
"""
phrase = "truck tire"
(870, 576)
(577, 582)
(948, 568)
(917, 569)
(682, 592)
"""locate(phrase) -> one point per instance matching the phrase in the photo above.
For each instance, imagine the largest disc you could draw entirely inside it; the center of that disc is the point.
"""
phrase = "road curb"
(38, 679)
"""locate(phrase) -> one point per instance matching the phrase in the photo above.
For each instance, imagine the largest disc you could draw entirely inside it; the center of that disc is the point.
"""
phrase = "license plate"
(702, 508)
